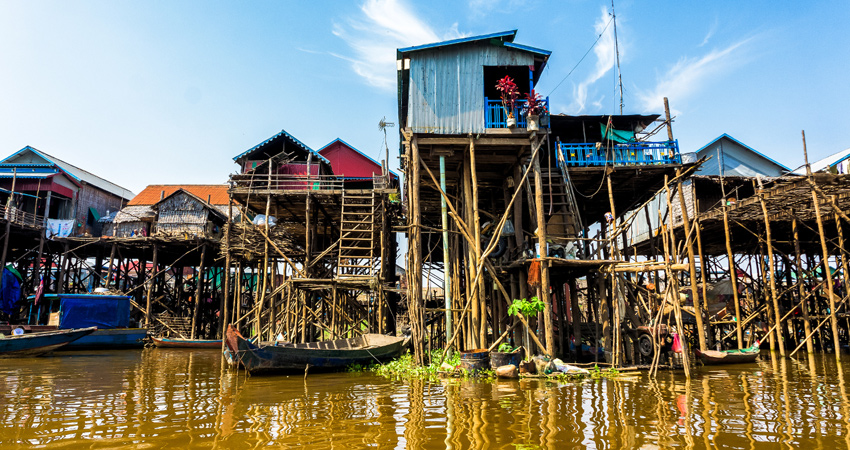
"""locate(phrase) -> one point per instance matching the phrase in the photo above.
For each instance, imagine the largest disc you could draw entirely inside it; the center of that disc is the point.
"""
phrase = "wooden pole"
(733, 275)
(149, 292)
(692, 265)
(826, 273)
(199, 286)
(807, 326)
(482, 297)
(672, 281)
(777, 314)
(544, 264)
(224, 309)
(615, 293)
(414, 291)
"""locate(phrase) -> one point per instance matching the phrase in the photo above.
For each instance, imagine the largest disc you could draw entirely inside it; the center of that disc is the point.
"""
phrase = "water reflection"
(173, 398)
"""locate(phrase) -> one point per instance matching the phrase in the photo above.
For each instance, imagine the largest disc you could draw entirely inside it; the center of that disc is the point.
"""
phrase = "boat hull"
(745, 356)
(113, 338)
(35, 344)
(327, 356)
(187, 343)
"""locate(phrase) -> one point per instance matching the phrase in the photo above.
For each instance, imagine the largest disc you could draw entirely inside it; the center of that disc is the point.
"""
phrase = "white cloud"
(689, 75)
(605, 60)
(374, 36)
(711, 32)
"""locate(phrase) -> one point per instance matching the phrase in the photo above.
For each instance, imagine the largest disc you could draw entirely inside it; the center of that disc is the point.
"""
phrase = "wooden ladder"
(357, 236)
(558, 198)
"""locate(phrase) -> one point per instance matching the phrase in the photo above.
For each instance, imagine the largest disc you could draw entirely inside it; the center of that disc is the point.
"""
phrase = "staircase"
(356, 245)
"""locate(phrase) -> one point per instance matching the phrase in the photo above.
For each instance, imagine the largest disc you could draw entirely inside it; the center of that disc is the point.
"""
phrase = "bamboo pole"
(675, 285)
(615, 294)
(692, 266)
(733, 275)
(544, 264)
(414, 291)
(807, 326)
(826, 272)
(199, 287)
(772, 272)
(151, 283)
(482, 298)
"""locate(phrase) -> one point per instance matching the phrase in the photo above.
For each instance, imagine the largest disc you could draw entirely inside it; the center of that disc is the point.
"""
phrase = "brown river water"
(159, 398)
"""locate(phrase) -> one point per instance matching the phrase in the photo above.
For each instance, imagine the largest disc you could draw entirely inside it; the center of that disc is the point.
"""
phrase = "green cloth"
(618, 136)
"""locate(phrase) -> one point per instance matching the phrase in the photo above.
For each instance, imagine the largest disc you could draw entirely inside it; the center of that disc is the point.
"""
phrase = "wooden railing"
(21, 217)
(287, 182)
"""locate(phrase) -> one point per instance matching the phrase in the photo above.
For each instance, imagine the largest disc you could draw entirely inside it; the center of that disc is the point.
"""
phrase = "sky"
(168, 92)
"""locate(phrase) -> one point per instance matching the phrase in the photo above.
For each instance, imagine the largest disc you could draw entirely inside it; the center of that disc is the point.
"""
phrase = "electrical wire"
(582, 58)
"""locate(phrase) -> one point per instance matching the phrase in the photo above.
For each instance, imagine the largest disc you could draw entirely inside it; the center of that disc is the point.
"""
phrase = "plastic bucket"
(499, 359)
(475, 360)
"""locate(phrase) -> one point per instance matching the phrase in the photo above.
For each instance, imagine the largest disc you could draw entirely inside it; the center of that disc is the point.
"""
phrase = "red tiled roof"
(217, 193)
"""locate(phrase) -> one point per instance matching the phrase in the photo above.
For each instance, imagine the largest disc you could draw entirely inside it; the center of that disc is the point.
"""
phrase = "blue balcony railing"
(495, 117)
(628, 154)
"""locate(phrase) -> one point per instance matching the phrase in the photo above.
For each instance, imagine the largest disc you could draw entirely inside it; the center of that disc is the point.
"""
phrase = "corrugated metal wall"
(447, 87)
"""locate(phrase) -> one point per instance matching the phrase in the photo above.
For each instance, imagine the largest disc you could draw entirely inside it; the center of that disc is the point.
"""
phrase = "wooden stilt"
(692, 266)
(199, 287)
(771, 268)
(548, 323)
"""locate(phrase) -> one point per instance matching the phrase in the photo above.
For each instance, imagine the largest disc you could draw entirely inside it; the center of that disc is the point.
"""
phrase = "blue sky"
(169, 91)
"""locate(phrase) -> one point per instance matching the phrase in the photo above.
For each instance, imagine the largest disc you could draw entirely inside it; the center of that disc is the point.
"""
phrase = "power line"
(582, 58)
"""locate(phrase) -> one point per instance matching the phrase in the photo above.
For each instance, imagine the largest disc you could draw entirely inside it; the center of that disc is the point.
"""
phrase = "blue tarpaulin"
(86, 310)
(10, 290)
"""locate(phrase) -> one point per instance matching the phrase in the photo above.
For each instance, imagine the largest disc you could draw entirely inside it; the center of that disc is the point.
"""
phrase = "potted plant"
(509, 93)
(535, 106)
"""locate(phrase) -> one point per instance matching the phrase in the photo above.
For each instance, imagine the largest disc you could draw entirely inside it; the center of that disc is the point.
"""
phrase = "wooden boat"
(109, 313)
(34, 344)
(186, 343)
(713, 357)
(322, 356)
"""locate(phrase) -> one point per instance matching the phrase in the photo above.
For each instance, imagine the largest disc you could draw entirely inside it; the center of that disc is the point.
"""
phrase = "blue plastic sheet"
(10, 291)
(102, 311)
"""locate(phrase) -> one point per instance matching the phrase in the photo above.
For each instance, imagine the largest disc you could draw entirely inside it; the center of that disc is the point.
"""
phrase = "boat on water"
(743, 356)
(324, 356)
(110, 314)
(164, 342)
(35, 344)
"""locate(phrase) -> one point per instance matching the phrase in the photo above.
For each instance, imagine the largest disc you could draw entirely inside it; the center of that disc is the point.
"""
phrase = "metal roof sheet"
(724, 135)
(73, 171)
(355, 149)
(507, 35)
(288, 136)
(824, 163)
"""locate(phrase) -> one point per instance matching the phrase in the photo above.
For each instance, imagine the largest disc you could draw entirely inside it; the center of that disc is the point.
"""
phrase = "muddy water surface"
(157, 398)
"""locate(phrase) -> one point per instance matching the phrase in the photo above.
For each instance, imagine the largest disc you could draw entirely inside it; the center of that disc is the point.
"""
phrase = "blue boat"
(35, 344)
(109, 313)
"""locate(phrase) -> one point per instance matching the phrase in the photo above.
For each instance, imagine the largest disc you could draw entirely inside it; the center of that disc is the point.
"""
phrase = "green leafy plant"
(527, 308)
(505, 347)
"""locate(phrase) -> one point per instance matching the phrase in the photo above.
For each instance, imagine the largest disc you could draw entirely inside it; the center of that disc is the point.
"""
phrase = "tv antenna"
(382, 125)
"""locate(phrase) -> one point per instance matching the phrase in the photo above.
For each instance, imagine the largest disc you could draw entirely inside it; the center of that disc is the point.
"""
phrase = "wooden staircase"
(357, 240)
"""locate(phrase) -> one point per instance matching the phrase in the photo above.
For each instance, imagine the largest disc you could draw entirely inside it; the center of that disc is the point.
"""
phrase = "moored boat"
(34, 344)
(110, 314)
(713, 357)
(322, 356)
(186, 343)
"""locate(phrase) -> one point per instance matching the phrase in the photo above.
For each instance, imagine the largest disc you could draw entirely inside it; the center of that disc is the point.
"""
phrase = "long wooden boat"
(186, 343)
(713, 357)
(111, 338)
(322, 356)
(34, 344)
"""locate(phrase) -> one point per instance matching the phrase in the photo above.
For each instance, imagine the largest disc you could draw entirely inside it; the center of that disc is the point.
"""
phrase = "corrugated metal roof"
(288, 136)
(75, 172)
(358, 151)
(824, 163)
(724, 135)
(217, 193)
(505, 36)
